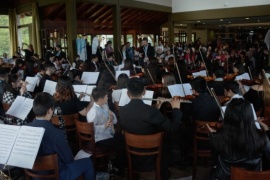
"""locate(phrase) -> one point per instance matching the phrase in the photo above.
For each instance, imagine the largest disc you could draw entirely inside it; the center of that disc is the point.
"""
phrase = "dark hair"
(11, 78)
(199, 84)
(109, 42)
(128, 65)
(106, 80)
(145, 39)
(98, 93)
(219, 72)
(240, 67)
(64, 89)
(42, 103)
(94, 56)
(122, 81)
(233, 86)
(41, 67)
(135, 87)
(239, 136)
(110, 55)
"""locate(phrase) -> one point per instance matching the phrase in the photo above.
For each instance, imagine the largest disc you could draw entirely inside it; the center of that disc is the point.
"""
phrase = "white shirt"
(99, 116)
(234, 96)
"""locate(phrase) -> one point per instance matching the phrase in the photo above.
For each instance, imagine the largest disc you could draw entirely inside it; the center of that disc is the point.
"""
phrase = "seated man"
(204, 106)
(218, 83)
(54, 141)
(139, 118)
(231, 89)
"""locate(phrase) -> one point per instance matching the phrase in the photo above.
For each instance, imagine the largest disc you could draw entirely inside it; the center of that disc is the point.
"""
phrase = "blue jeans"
(77, 168)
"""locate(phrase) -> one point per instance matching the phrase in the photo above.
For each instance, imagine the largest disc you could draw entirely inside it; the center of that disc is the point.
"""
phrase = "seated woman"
(12, 88)
(238, 143)
(121, 84)
(129, 66)
(66, 99)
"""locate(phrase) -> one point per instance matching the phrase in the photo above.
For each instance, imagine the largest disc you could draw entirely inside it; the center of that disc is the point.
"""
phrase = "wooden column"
(171, 30)
(189, 33)
(71, 20)
(117, 31)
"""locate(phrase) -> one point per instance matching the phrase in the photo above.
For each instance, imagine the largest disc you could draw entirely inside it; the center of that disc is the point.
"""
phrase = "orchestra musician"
(218, 83)
(108, 47)
(231, 90)
(94, 65)
(110, 61)
(49, 71)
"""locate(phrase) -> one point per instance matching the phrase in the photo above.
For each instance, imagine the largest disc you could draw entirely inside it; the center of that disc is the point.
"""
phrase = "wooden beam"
(94, 16)
(130, 15)
(85, 15)
(105, 15)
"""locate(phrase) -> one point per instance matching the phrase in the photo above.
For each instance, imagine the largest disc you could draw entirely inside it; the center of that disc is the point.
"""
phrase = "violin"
(252, 82)
(230, 77)
(207, 78)
(140, 75)
(154, 87)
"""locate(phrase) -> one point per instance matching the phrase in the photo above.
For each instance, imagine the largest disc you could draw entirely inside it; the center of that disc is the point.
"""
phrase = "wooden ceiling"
(100, 17)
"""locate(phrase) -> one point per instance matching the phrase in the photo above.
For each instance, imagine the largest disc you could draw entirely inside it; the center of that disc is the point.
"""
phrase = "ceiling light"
(247, 18)
(260, 27)
(229, 22)
(258, 20)
(221, 19)
(198, 21)
(181, 24)
(203, 23)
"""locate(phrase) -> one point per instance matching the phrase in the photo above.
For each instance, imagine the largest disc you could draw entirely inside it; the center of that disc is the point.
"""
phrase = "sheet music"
(253, 111)
(82, 154)
(79, 88)
(89, 90)
(117, 73)
(26, 147)
(32, 82)
(90, 77)
(200, 73)
(177, 90)
(8, 134)
(116, 94)
(124, 99)
(243, 76)
(119, 67)
(50, 87)
(21, 107)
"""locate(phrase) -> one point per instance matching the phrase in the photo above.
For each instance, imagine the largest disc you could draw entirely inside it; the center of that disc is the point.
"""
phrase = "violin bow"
(150, 76)
(264, 74)
(180, 78)
(227, 55)
(217, 101)
(250, 73)
(204, 62)
(108, 67)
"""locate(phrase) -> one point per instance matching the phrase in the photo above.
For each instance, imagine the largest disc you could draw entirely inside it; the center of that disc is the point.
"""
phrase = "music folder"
(21, 107)
(90, 77)
(19, 145)
(124, 99)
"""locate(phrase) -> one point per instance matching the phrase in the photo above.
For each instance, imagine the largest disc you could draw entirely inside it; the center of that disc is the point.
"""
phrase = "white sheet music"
(31, 83)
(21, 107)
(50, 87)
(82, 154)
(119, 67)
(253, 111)
(89, 90)
(26, 147)
(8, 134)
(90, 77)
(117, 73)
(243, 76)
(124, 99)
(116, 94)
(80, 89)
(200, 73)
(177, 89)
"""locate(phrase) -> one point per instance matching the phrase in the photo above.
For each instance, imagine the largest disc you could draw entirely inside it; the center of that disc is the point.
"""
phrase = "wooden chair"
(86, 137)
(153, 141)
(70, 129)
(6, 106)
(201, 135)
(242, 174)
(44, 163)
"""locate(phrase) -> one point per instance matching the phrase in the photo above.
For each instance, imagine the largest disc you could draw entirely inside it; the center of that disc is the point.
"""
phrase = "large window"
(4, 35)
(24, 30)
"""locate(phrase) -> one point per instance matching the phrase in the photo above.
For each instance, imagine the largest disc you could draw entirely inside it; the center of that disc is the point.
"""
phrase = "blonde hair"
(266, 91)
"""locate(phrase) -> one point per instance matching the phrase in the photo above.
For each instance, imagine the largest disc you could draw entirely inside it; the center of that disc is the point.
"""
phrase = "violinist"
(121, 84)
(18, 68)
(49, 71)
(204, 107)
(110, 61)
(129, 66)
(218, 83)
(94, 65)
(231, 90)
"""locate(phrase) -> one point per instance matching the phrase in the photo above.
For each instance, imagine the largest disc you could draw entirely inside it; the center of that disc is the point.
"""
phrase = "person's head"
(110, 56)
(168, 79)
(4, 73)
(19, 63)
(145, 41)
(52, 57)
(128, 44)
(231, 88)
(5, 55)
(198, 85)
(135, 88)
(109, 43)
(100, 96)
(94, 58)
(238, 68)
(64, 90)
(168, 52)
(14, 81)
(58, 48)
(77, 57)
(122, 81)
(219, 72)
(106, 79)
(43, 106)
(128, 64)
(239, 135)
(41, 69)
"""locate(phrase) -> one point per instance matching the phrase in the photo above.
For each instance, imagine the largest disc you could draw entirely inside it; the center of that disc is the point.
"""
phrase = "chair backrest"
(6, 106)
(69, 121)
(242, 174)
(143, 142)
(86, 133)
(44, 163)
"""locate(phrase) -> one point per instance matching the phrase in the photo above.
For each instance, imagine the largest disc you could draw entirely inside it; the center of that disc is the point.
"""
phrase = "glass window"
(130, 39)
(4, 36)
(25, 18)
